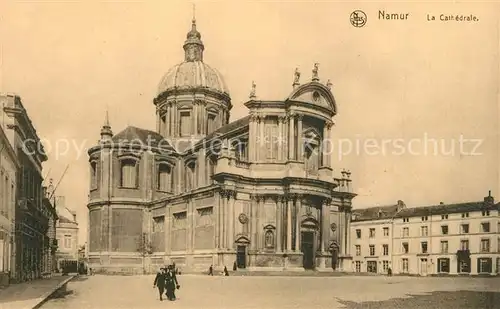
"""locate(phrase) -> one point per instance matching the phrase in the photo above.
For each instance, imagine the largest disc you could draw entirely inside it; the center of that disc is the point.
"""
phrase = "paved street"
(283, 292)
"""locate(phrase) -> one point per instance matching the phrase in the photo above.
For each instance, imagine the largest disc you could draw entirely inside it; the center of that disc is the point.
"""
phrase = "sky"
(392, 79)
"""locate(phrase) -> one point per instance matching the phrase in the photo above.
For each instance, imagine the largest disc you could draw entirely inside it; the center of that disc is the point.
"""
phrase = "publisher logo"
(358, 18)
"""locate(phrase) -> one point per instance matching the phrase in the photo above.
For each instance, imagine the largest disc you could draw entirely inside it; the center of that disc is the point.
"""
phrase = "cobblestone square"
(283, 292)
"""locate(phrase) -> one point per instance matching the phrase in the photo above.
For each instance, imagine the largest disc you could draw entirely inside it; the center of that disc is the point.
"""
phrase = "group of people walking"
(166, 282)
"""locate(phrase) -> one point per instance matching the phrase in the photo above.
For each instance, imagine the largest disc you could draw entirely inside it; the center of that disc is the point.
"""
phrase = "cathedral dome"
(192, 74)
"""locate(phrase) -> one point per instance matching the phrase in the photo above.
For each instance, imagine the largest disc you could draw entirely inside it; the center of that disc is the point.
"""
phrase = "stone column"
(300, 139)
(222, 197)
(289, 203)
(217, 212)
(253, 221)
(231, 220)
(251, 138)
(226, 219)
(285, 139)
(170, 119)
(263, 139)
(260, 213)
(325, 225)
(279, 220)
(291, 137)
(298, 207)
(327, 151)
(175, 125)
(195, 118)
(280, 138)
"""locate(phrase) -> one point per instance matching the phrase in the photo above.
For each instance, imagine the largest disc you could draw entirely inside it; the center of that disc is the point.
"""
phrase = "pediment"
(316, 94)
(242, 239)
(310, 222)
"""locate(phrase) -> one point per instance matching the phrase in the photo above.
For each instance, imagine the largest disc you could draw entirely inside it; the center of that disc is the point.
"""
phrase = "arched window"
(93, 175)
(269, 239)
(164, 178)
(128, 175)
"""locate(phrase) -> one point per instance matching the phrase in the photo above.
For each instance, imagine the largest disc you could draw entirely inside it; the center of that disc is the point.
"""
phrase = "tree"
(145, 248)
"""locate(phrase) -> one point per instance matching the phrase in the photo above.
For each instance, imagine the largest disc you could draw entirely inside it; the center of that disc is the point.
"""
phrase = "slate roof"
(372, 213)
(388, 212)
(227, 128)
(445, 209)
(63, 219)
(145, 137)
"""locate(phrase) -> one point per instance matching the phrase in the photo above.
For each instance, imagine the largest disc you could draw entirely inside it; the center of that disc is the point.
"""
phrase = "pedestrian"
(235, 267)
(226, 273)
(160, 282)
(172, 283)
(210, 271)
(389, 272)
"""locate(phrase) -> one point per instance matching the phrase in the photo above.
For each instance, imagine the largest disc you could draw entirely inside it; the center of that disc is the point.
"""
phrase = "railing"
(242, 164)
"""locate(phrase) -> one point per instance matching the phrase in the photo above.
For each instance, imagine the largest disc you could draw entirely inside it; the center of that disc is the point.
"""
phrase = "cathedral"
(257, 193)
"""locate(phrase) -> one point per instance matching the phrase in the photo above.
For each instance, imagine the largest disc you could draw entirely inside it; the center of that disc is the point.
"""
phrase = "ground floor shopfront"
(459, 264)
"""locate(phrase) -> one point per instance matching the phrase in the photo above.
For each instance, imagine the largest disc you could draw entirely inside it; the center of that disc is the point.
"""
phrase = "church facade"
(258, 192)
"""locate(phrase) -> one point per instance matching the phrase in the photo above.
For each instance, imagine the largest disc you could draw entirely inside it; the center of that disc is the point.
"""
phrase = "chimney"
(441, 203)
(489, 200)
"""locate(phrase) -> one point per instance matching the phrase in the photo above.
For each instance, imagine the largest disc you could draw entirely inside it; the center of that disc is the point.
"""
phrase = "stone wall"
(95, 230)
(126, 230)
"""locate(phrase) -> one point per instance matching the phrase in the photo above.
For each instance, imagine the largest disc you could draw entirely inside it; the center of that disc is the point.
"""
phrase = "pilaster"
(217, 213)
(225, 218)
(298, 207)
(252, 138)
(291, 137)
(262, 138)
(253, 221)
(195, 120)
(300, 139)
(325, 225)
(190, 229)
(279, 220)
(289, 203)
(232, 200)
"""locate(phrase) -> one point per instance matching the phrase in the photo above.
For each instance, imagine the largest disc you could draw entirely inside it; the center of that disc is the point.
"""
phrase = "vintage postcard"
(249, 154)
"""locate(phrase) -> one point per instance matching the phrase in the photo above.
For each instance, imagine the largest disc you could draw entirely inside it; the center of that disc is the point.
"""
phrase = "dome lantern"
(193, 46)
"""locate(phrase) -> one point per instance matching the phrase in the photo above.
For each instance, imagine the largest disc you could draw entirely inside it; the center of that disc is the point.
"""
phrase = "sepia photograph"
(249, 154)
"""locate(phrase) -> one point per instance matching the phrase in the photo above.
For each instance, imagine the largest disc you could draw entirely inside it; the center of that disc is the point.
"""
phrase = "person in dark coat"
(210, 271)
(172, 283)
(226, 273)
(160, 282)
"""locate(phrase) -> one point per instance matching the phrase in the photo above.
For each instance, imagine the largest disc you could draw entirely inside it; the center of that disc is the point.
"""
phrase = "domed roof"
(192, 74)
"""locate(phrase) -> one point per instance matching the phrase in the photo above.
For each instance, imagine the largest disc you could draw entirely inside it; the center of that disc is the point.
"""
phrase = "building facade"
(257, 192)
(32, 214)
(432, 240)
(66, 232)
(8, 170)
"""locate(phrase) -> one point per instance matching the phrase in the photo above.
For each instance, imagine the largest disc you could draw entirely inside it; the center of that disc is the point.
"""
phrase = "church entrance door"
(307, 245)
(241, 256)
